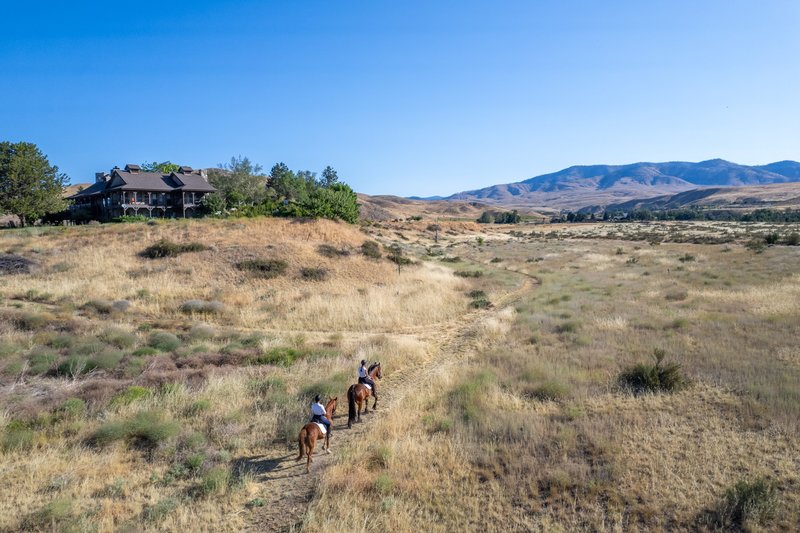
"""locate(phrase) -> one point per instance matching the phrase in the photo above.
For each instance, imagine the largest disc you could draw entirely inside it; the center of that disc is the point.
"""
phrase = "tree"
(240, 182)
(167, 167)
(30, 186)
(329, 177)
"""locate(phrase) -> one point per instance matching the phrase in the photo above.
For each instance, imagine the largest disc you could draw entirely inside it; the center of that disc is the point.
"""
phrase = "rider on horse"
(318, 413)
(363, 377)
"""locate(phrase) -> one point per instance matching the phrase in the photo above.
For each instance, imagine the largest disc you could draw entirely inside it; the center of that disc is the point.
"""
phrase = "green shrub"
(198, 407)
(793, 239)
(480, 303)
(75, 365)
(283, 356)
(371, 249)
(329, 251)
(72, 408)
(756, 245)
(476, 295)
(215, 481)
(165, 248)
(656, 377)
(164, 341)
(130, 395)
(202, 306)
(119, 338)
(453, 259)
(202, 332)
(383, 483)
(147, 429)
(17, 436)
(496, 260)
(686, 258)
(106, 360)
(263, 268)
(41, 362)
(771, 238)
(747, 503)
(314, 274)
(466, 397)
(468, 273)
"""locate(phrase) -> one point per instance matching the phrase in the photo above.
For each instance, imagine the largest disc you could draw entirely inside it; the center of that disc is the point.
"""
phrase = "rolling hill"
(778, 195)
(601, 185)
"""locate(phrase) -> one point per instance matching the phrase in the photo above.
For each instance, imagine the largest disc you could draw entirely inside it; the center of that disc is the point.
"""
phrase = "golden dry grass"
(505, 419)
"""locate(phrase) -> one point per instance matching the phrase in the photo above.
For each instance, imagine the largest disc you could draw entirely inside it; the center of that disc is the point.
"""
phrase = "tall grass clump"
(658, 377)
(263, 268)
(164, 341)
(371, 249)
(146, 429)
(165, 248)
(747, 503)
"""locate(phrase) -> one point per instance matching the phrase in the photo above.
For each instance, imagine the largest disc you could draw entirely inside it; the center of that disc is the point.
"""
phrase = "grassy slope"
(501, 418)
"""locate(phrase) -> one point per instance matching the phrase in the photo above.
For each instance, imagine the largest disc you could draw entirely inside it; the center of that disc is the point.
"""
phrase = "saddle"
(321, 427)
(367, 385)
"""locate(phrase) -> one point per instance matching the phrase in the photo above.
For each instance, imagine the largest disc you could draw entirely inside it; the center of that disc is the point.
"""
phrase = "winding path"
(286, 489)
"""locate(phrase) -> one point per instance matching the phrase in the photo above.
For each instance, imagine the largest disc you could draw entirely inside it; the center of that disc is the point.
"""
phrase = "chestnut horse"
(311, 432)
(358, 394)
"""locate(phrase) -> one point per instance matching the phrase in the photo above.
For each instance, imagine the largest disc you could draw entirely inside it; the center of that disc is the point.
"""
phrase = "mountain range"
(597, 186)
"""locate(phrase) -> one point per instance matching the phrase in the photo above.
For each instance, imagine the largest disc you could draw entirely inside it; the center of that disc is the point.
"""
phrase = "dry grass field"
(166, 393)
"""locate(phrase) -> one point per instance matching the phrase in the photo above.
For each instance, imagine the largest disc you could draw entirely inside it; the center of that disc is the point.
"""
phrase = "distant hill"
(779, 195)
(601, 185)
(381, 208)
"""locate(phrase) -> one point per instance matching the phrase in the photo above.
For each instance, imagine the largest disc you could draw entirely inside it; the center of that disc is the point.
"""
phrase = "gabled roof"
(123, 180)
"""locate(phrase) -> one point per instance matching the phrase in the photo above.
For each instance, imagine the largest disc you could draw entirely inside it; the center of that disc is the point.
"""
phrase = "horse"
(358, 394)
(309, 434)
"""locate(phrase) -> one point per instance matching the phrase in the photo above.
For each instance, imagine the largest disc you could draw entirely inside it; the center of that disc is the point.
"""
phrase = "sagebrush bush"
(146, 428)
(165, 248)
(263, 268)
(130, 395)
(314, 274)
(52, 517)
(202, 332)
(119, 338)
(330, 251)
(202, 306)
(549, 391)
(371, 249)
(747, 503)
(468, 273)
(17, 435)
(164, 341)
(656, 377)
(283, 356)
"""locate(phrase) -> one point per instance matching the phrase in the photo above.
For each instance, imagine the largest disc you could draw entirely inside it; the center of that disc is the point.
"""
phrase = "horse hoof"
(327, 451)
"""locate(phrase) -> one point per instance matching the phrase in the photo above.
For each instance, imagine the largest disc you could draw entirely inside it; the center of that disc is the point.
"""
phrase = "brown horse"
(308, 436)
(357, 395)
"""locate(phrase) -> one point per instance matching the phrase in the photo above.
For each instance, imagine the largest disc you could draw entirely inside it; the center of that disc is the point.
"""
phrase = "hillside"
(779, 195)
(601, 185)
(384, 207)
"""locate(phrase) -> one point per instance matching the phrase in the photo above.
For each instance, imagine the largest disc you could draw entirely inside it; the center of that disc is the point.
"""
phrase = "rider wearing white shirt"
(363, 377)
(318, 413)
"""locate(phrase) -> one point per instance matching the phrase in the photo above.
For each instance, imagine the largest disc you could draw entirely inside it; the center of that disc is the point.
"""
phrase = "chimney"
(203, 174)
(100, 177)
(185, 170)
(133, 169)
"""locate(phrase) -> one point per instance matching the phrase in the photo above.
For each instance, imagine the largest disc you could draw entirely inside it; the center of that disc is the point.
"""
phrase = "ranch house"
(131, 192)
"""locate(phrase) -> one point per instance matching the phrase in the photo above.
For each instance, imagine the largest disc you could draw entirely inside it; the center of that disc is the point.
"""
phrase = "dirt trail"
(286, 489)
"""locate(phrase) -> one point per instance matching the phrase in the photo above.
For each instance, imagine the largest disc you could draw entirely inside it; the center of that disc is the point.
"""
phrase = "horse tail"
(301, 442)
(351, 405)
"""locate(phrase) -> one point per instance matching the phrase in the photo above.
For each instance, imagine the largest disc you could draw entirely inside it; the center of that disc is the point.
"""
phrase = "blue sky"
(407, 98)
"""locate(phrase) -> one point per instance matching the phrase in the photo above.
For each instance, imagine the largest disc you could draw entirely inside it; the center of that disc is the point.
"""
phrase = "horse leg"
(300, 440)
(366, 404)
(375, 404)
(311, 443)
(328, 442)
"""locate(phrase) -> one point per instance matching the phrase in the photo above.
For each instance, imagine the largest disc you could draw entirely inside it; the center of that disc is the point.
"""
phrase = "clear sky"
(402, 97)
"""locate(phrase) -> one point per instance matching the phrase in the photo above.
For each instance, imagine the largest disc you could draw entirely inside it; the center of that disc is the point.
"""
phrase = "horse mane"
(372, 366)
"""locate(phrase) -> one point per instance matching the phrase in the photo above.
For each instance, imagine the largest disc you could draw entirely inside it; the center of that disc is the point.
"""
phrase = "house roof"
(122, 180)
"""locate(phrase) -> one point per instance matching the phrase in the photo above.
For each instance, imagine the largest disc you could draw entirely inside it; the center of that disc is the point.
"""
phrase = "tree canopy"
(240, 182)
(30, 187)
(167, 167)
